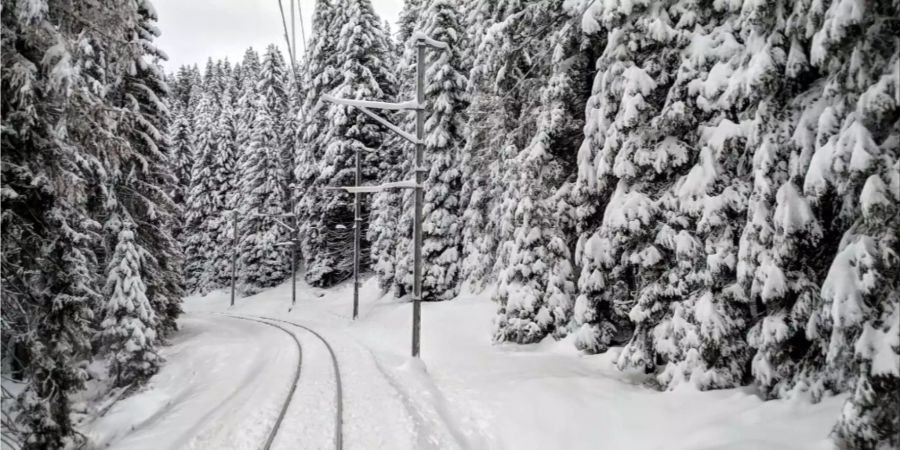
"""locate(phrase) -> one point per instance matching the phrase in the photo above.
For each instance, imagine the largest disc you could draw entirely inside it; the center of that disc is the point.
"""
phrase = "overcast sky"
(194, 30)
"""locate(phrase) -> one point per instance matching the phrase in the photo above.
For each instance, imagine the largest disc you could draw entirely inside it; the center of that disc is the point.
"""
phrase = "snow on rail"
(420, 36)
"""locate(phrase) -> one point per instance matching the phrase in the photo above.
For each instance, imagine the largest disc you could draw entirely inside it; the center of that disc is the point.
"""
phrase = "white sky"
(194, 30)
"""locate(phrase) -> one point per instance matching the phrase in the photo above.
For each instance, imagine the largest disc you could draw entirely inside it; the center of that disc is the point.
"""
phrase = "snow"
(419, 36)
(792, 214)
(225, 377)
(874, 194)
(408, 184)
(849, 280)
(411, 104)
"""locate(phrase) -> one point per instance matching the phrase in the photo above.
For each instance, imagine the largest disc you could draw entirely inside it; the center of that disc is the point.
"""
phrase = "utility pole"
(420, 178)
(295, 235)
(357, 225)
(418, 105)
(234, 253)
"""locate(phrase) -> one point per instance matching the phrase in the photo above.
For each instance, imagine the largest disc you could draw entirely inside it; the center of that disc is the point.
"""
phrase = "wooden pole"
(417, 227)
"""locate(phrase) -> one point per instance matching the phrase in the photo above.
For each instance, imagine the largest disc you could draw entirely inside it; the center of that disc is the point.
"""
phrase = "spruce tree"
(129, 322)
(203, 204)
(263, 262)
(272, 85)
(390, 227)
(364, 73)
(446, 101)
(536, 283)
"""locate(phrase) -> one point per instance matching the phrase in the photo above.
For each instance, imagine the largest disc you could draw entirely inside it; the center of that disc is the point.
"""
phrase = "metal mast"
(418, 105)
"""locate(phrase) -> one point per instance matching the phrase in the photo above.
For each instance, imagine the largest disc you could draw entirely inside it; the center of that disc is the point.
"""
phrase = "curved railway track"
(287, 401)
(338, 397)
(338, 393)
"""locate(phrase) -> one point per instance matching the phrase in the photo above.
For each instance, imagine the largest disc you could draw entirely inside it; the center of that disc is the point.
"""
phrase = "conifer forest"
(704, 195)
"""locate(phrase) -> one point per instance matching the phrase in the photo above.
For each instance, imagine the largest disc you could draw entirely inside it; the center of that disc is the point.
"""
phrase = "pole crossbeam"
(422, 42)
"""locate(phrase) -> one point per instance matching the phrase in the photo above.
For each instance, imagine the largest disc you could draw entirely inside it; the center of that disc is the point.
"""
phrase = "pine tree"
(225, 176)
(271, 84)
(536, 285)
(47, 174)
(182, 153)
(129, 322)
(73, 128)
(263, 261)
(319, 77)
(444, 123)
(203, 204)
(390, 228)
(246, 101)
(365, 73)
(147, 179)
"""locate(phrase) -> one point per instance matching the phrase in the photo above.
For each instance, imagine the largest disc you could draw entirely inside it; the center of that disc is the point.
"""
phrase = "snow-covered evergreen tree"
(536, 283)
(129, 322)
(45, 219)
(146, 178)
(203, 202)
(263, 262)
(446, 100)
(83, 144)
(389, 228)
(365, 72)
(182, 151)
(271, 84)
(319, 77)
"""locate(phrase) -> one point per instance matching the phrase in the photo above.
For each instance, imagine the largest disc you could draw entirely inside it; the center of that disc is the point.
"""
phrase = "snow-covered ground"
(225, 379)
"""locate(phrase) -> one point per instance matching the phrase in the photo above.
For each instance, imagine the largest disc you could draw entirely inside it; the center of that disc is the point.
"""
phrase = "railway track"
(287, 401)
(338, 397)
(338, 392)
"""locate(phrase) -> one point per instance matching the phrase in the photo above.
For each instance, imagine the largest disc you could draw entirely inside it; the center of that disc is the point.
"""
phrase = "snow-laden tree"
(246, 103)
(319, 76)
(203, 202)
(536, 290)
(630, 160)
(84, 145)
(227, 189)
(272, 85)
(389, 228)
(263, 262)
(499, 86)
(445, 96)
(853, 184)
(46, 177)
(129, 322)
(144, 178)
(365, 71)
(182, 151)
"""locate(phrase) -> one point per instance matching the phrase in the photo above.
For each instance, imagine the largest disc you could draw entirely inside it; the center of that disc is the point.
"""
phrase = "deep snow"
(223, 378)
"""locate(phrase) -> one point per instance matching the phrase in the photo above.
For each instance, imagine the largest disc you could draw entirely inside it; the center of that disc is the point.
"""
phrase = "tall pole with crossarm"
(422, 42)
(420, 178)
